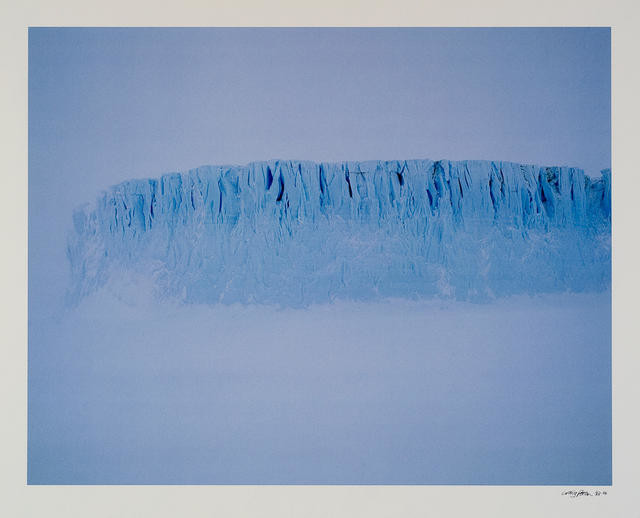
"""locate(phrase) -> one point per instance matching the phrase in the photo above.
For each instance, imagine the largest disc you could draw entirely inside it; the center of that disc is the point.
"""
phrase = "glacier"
(296, 233)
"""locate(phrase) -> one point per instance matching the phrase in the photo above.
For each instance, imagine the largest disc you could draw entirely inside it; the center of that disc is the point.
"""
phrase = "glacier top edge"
(356, 166)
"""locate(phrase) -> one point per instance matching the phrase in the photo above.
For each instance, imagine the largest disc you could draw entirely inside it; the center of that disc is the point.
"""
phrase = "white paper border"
(18, 499)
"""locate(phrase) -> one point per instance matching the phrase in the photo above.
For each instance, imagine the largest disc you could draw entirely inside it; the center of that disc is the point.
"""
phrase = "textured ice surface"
(296, 233)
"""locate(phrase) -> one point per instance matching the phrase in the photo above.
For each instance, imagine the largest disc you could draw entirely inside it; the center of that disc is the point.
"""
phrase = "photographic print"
(291, 256)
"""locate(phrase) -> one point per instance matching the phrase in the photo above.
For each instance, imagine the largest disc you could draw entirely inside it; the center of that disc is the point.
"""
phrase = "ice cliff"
(295, 233)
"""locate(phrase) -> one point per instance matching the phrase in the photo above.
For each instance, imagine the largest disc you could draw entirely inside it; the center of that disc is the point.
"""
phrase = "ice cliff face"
(296, 233)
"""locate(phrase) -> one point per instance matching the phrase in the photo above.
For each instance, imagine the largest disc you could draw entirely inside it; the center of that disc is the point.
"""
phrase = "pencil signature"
(582, 492)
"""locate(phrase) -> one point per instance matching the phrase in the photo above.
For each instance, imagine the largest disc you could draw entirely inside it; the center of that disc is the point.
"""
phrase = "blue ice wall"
(295, 233)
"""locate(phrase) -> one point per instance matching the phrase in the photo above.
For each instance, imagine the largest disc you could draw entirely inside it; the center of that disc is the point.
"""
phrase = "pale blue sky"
(123, 103)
